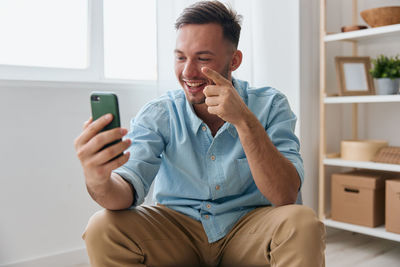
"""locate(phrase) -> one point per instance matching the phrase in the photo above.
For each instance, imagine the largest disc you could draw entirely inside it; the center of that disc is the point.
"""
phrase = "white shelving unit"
(362, 99)
(362, 165)
(354, 37)
(377, 231)
(364, 35)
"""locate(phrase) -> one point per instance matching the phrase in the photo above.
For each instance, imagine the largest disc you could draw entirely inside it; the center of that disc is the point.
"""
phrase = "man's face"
(200, 46)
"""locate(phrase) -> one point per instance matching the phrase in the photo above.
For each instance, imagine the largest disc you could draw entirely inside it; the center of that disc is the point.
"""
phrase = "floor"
(346, 249)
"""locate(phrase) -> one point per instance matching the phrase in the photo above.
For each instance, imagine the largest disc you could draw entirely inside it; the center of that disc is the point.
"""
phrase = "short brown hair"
(204, 12)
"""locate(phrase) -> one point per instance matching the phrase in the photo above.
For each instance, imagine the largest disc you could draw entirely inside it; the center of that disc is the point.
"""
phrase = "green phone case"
(103, 103)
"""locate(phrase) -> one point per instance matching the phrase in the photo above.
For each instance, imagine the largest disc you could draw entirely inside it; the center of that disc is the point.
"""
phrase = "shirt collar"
(195, 122)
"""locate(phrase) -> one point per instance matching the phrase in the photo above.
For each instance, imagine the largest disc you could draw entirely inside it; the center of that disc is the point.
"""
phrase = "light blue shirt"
(207, 178)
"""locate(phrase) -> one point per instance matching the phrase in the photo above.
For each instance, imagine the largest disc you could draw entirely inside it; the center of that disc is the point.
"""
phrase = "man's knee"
(99, 226)
(302, 220)
(301, 214)
(299, 237)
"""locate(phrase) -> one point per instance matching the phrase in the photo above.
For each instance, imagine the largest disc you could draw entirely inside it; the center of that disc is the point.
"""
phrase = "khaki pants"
(287, 236)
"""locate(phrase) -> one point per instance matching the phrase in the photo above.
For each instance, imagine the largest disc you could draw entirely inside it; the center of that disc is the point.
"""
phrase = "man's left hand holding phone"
(100, 149)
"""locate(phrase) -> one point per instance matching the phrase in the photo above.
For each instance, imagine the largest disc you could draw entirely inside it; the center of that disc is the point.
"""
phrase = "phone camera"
(95, 98)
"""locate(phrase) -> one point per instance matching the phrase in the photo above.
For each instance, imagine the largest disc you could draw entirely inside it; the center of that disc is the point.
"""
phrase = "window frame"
(94, 73)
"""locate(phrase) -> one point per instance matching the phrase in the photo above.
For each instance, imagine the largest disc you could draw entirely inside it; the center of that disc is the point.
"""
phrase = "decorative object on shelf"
(388, 154)
(353, 76)
(387, 86)
(392, 214)
(353, 28)
(386, 71)
(381, 16)
(361, 150)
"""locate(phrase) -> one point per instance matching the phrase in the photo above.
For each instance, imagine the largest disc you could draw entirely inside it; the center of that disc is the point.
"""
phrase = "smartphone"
(103, 103)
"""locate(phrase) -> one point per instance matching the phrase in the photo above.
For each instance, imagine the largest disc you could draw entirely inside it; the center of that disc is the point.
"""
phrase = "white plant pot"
(387, 86)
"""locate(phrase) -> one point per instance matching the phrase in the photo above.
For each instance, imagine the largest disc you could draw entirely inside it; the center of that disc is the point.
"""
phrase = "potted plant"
(386, 71)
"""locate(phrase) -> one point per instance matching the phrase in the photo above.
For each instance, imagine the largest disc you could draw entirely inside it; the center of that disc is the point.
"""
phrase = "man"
(227, 164)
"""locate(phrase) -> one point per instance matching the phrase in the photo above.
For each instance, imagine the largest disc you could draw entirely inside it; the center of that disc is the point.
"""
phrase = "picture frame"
(353, 76)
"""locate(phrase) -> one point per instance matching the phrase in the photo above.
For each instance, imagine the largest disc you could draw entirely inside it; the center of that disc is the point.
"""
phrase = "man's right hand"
(98, 163)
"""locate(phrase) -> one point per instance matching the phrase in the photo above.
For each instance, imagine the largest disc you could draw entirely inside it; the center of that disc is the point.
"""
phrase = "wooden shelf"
(360, 35)
(362, 99)
(377, 231)
(362, 164)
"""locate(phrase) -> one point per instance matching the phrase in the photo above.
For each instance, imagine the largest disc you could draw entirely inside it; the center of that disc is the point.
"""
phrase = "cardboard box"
(392, 223)
(358, 197)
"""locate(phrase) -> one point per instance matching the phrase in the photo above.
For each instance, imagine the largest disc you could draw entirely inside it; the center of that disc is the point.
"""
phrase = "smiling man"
(224, 159)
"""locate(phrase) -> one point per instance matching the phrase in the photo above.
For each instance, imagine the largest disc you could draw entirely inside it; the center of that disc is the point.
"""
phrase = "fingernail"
(123, 131)
(108, 117)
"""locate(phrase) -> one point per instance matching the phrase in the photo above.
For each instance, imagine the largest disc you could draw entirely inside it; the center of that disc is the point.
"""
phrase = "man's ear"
(236, 60)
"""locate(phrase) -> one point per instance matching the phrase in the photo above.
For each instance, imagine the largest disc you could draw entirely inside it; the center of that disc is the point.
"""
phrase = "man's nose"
(190, 70)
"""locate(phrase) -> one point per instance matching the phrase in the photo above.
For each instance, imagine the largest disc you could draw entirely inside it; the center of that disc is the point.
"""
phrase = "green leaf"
(385, 67)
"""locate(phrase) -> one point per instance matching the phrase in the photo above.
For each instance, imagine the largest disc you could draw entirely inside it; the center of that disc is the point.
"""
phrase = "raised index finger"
(217, 78)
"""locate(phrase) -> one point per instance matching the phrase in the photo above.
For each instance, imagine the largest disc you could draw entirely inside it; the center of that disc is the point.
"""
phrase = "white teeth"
(193, 84)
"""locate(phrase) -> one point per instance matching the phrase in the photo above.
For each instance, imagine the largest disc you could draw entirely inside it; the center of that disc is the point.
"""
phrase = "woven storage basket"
(388, 154)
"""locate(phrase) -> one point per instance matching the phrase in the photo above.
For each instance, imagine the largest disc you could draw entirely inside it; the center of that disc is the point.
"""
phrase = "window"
(130, 39)
(44, 33)
(78, 40)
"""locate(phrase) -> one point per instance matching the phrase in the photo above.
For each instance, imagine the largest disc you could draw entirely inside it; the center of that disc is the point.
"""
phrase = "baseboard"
(332, 231)
(63, 259)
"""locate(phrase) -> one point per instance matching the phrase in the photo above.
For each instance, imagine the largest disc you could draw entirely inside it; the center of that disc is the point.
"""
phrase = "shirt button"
(208, 206)
(204, 128)
(206, 217)
(212, 157)
(217, 187)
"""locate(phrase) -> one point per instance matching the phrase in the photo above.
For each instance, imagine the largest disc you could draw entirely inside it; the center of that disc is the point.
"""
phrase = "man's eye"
(180, 58)
(204, 59)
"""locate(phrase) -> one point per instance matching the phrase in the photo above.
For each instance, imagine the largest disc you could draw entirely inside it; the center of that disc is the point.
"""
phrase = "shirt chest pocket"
(241, 177)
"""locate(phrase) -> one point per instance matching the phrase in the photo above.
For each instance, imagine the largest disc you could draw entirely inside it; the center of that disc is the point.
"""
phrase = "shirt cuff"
(298, 164)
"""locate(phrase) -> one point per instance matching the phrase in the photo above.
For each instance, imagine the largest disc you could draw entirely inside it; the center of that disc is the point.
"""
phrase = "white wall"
(271, 46)
(43, 200)
(309, 98)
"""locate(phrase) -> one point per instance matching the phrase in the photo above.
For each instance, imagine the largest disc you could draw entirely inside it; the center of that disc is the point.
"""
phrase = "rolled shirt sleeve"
(281, 123)
(149, 139)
